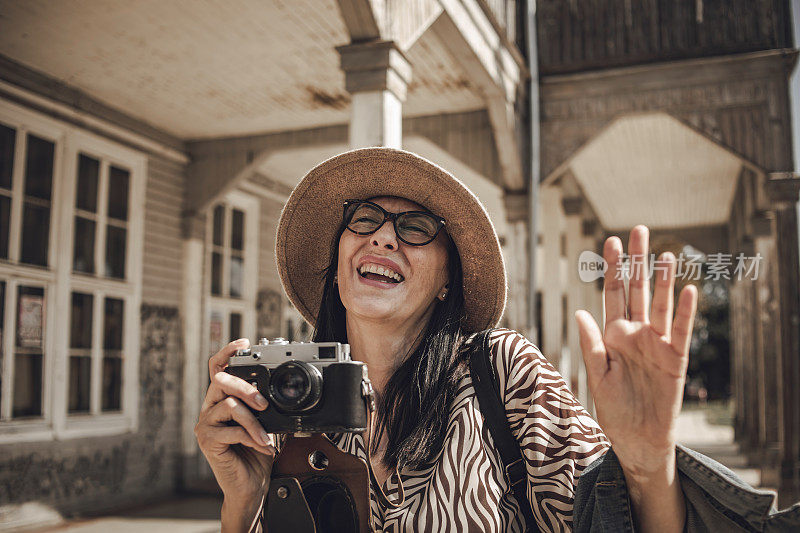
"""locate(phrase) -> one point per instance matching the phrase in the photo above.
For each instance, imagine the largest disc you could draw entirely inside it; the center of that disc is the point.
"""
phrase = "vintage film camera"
(312, 388)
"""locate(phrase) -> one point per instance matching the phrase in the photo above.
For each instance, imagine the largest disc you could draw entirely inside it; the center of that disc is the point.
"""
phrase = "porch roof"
(204, 70)
(653, 169)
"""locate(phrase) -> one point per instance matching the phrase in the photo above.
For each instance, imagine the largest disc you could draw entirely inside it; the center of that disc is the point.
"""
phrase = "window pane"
(8, 137)
(118, 179)
(5, 225)
(30, 317)
(80, 369)
(219, 216)
(39, 167)
(112, 384)
(27, 385)
(83, 246)
(112, 322)
(35, 234)
(81, 320)
(237, 230)
(216, 274)
(235, 326)
(88, 177)
(115, 252)
(237, 276)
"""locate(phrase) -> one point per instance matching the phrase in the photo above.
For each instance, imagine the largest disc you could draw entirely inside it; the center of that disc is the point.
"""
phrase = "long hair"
(414, 407)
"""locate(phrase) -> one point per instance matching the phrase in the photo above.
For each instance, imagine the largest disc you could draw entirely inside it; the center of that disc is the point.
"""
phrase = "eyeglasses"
(416, 228)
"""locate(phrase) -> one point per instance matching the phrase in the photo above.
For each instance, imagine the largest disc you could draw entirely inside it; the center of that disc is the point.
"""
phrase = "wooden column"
(783, 189)
(552, 288)
(195, 365)
(377, 76)
(767, 334)
(575, 244)
(516, 252)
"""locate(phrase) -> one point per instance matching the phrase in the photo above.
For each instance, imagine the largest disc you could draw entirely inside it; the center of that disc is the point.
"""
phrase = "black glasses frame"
(387, 215)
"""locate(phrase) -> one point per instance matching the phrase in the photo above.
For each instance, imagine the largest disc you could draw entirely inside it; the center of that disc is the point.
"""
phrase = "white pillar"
(552, 288)
(376, 120)
(516, 255)
(575, 298)
(377, 76)
(194, 363)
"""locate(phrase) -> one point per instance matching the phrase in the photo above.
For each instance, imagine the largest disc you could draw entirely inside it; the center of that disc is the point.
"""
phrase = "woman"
(388, 252)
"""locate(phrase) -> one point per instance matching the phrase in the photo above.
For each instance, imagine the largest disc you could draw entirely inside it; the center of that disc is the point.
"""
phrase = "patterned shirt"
(464, 488)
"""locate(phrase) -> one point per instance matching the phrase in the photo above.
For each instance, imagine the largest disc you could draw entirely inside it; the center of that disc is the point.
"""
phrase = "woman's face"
(422, 271)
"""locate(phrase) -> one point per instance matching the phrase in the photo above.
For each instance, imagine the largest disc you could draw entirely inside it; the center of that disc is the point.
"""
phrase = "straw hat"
(313, 213)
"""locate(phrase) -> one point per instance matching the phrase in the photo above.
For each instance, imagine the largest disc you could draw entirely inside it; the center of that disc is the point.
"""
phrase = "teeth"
(380, 270)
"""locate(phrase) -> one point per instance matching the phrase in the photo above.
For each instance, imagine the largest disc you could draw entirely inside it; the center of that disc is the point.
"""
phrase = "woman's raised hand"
(241, 455)
(636, 367)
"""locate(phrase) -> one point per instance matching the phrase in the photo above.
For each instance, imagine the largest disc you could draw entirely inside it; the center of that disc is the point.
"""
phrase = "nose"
(385, 237)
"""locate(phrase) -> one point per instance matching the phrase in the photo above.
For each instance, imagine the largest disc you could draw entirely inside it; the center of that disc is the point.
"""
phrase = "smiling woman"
(386, 251)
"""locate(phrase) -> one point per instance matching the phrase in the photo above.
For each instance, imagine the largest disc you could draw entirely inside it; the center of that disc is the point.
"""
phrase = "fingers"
(613, 285)
(233, 409)
(219, 360)
(592, 346)
(661, 313)
(238, 435)
(684, 320)
(224, 385)
(639, 284)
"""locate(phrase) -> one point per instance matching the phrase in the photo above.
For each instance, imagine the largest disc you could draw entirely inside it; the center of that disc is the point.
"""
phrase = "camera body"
(311, 387)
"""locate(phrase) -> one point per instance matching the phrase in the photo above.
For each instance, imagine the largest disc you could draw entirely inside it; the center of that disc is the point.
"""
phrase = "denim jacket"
(716, 499)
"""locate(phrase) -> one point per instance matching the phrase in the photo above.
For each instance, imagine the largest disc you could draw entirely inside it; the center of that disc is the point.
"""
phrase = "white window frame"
(246, 305)
(59, 282)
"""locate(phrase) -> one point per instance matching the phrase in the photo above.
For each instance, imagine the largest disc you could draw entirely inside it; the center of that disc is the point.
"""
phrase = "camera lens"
(295, 386)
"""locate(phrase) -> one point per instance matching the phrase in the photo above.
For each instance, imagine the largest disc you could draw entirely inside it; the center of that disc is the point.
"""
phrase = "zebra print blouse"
(465, 488)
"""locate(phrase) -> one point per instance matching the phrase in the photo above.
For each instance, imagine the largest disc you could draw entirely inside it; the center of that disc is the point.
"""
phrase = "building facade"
(147, 149)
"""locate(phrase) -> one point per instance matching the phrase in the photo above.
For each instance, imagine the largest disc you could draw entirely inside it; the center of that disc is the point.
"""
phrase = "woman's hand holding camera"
(240, 455)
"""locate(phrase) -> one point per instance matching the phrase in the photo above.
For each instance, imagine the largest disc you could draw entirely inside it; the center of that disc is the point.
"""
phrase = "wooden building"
(676, 114)
(146, 149)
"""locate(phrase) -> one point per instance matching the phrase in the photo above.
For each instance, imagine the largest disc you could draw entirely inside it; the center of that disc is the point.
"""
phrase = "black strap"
(493, 408)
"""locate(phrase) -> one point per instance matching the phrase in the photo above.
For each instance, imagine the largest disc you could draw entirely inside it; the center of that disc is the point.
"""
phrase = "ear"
(443, 293)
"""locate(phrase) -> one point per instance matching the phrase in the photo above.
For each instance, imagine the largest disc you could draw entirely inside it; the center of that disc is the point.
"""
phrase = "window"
(232, 246)
(101, 227)
(70, 276)
(227, 252)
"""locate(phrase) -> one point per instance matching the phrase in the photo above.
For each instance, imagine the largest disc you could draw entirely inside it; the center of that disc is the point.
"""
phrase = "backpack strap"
(493, 408)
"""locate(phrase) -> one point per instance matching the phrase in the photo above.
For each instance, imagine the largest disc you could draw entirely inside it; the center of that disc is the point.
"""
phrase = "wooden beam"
(473, 42)
(503, 120)
(360, 19)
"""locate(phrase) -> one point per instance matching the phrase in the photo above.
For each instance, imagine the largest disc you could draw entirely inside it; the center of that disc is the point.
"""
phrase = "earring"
(443, 294)
(335, 279)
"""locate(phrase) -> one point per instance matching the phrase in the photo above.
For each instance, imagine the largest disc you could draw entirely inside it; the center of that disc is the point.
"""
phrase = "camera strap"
(369, 397)
(487, 389)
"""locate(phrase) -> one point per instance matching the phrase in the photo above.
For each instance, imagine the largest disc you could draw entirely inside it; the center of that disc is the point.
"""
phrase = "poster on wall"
(30, 321)
(268, 311)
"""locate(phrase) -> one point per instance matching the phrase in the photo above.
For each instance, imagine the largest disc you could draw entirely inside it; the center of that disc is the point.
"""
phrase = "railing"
(576, 35)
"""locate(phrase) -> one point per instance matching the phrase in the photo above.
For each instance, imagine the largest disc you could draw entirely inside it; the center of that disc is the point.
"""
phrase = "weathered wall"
(87, 475)
(84, 475)
(741, 102)
(162, 269)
